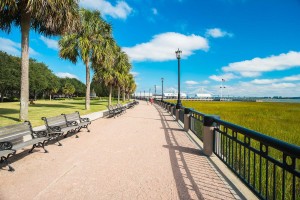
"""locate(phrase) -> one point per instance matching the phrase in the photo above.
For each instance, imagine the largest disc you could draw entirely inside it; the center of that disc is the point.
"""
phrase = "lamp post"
(223, 80)
(178, 54)
(140, 95)
(144, 95)
(149, 92)
(154, 91)
(162, 89)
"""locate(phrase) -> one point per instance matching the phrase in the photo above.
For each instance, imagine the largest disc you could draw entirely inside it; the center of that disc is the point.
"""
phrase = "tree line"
(84, 35)
(42, 81)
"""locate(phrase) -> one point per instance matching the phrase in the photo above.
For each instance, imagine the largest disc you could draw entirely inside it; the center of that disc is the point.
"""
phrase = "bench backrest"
(59, 120)
(15, 133)
(73, 117)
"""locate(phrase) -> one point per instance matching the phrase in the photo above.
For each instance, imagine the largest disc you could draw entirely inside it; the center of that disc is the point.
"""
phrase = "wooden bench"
(81, 122)
(58, 126)
(12, 139)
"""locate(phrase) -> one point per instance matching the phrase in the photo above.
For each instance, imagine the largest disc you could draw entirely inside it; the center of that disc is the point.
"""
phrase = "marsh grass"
(9, 112)
(279, 120)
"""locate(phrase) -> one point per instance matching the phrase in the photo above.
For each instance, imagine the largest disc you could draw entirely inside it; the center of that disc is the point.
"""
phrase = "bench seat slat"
(29, 142)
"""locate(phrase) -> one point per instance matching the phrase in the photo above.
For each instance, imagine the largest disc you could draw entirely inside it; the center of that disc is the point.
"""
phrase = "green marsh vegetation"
(279, 120)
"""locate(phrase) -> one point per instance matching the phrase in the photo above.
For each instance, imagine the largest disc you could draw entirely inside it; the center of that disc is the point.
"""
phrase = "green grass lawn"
(9, 112)
(279, 120)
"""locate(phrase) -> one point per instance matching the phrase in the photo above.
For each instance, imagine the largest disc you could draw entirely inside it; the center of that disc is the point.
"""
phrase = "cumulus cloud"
(217, 33)
(154, 11)
(66, 75)
(162, 47)
(120, 10)
(135, 74)
(13, 48)
(51, 44)
(226, 77)
(271, 81)
(256, 66)
(191, 82)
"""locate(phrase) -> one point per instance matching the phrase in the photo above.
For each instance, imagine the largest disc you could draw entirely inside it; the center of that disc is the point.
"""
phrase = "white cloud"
(66, 75)
(163, 46)
(227, 77)
(154, 11)
(13, 48)
(120, 10)
(217, 33)
(52, 44)
(135, 74)
(191, 82)
(256, 66)
(205, 82)
(271, 81)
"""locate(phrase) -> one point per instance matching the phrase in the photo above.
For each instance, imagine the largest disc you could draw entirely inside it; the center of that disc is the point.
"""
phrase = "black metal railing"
(181, 114)
(196, 123)
(269, 167)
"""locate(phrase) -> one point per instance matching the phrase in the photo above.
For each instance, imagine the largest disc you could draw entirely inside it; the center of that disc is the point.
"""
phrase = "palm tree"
(47, 17)
(88, 43)
(123, 67)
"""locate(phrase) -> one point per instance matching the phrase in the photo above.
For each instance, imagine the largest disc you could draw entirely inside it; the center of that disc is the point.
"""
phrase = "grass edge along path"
(9, 111)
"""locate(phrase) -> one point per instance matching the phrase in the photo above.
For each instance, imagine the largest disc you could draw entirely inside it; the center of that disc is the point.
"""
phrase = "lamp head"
(178, 53)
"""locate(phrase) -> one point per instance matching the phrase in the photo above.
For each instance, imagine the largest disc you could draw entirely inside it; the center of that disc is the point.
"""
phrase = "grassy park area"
(279, 120)
(9, 112)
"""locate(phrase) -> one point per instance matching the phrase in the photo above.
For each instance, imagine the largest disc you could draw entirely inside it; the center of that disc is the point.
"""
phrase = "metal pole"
(154, 91)
(162, 89)
(144, 95)
(178, 106)
(149, 92)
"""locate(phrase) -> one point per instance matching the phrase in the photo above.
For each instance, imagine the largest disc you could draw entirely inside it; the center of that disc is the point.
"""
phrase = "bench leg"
(10, 168)
(43, 146)
(33, 147)
(57, 140)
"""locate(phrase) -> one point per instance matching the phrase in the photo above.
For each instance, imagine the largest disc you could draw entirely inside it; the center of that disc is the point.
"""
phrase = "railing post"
(208, 133)
(171, 109)
(186, 119)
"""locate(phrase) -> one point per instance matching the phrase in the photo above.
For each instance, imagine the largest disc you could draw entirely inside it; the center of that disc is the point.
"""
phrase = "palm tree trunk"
(123, 95)
(118, 94)
(110, 92)
(24, 96)
(88, 86)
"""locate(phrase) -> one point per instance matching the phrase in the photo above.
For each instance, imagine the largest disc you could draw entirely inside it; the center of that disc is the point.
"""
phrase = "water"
(279, 100)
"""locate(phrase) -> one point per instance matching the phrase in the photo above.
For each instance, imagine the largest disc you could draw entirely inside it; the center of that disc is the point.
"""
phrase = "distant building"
(203, 96)
(174, 95)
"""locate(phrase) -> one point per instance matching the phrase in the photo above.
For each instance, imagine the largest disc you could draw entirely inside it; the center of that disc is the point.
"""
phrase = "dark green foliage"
(42, 82)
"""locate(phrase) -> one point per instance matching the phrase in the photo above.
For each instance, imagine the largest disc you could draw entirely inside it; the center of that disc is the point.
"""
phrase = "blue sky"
(254, 45)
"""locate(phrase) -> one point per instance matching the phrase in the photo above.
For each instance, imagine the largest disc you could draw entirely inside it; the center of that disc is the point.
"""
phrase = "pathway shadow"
(195, 176)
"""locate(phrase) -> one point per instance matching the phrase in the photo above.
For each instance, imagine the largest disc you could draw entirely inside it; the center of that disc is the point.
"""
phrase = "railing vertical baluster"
(267, 177)
(283, 184)
(260, 173)
(249, 162)
(294, 188)
(254, 169)
(274, 182)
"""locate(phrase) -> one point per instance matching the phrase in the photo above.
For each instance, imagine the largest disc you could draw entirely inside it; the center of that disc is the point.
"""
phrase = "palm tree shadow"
(7, 111)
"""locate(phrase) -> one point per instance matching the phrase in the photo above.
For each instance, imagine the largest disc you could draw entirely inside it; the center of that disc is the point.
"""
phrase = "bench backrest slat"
(15, 133)
(57, 121)
(73, 117)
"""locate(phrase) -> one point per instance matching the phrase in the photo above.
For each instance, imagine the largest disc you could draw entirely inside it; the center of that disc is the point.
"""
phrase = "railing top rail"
(288, 148)
(197, 112)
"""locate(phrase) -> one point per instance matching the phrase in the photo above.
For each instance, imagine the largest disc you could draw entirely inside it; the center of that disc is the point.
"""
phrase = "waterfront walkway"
(144, 154)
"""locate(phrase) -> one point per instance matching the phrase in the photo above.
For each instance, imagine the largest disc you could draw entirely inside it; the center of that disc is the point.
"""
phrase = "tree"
(47, 17)
(68, 89)
(87, 43)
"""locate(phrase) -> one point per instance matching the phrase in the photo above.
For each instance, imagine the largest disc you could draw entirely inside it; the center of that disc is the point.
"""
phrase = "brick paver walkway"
(143, 154)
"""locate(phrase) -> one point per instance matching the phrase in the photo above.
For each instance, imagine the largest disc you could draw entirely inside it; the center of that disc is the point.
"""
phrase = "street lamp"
(223, 80)
(154, 91)
(178, 54)
(162, 89)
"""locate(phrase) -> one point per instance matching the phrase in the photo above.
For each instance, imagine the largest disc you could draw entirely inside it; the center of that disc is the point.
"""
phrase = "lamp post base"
(178, 105)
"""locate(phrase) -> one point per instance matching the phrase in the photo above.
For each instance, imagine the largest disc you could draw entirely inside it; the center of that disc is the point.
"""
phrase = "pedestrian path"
(143, 154)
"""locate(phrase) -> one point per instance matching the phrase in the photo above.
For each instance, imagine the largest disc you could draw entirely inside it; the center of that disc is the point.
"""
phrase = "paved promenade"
(144, 154)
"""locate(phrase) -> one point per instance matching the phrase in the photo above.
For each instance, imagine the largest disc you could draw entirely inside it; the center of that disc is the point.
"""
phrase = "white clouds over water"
(256, 66)
(162, 47)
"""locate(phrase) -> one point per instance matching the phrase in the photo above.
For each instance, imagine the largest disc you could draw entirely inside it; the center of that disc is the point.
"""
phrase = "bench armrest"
(39, 134)
(5, 146)
(54, 128)
(72, 123)
(84, 120)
